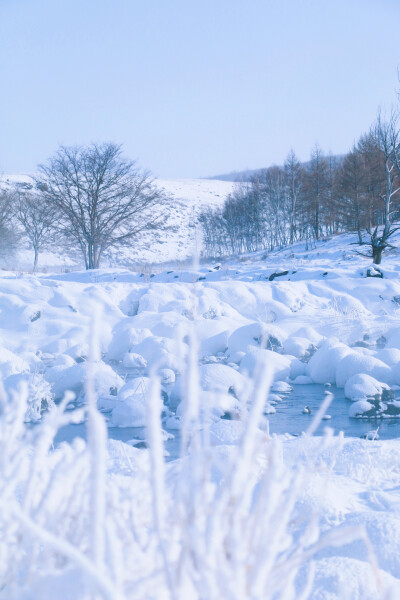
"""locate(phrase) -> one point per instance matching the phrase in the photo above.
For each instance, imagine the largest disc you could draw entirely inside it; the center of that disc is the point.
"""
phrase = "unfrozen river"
(289, 418)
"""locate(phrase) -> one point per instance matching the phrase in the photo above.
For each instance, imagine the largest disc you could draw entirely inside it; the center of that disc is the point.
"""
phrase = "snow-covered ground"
(243, 514)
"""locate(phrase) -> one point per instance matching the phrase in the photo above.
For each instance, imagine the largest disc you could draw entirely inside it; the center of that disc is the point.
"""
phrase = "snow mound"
(63, 378)
(354, 363)
(221, 378)
(322, 366)
(130, 405)
(300, 347)
(362, 387)
(258, 358)
(11, 364)
(125, 335)
(360, 408)
(260, 335)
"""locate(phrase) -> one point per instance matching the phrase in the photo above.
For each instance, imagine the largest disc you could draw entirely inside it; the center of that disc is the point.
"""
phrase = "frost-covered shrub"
(40, 396)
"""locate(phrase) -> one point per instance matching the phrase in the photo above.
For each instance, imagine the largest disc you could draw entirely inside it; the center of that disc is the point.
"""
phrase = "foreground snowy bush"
(117, 522)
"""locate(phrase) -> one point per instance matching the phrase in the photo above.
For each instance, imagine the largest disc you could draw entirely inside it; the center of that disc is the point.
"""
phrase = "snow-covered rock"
(214, 344)
(130, 406)
(259, 335)
(124, 336)
(393, 338)
(322, 366)
(362, 387)
(11, 364)
(213, 405)
(299, 347)
(303, 380)
(281, 387)
(132, 360)
(161, 352)
(260, 358)
(61, 378)
(354, 363)
(390, 356)
(360, 408)
(221, 378)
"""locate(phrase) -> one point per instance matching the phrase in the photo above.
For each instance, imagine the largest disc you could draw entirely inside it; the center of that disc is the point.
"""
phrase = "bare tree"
(8, 235)
(352, 185)
(316, 189)
(383, 144)
(102, 199)
(378, 242)
(38, 221)
(387, 136)
(294, 179)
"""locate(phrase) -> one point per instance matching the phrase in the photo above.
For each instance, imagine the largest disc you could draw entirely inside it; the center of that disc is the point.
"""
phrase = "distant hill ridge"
(248, 174)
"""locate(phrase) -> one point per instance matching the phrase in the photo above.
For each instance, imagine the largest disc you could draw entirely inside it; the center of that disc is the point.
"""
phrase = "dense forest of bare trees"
(281, 205)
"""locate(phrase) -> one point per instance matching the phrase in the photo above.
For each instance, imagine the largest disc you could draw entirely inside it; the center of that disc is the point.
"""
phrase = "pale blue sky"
(193, 88)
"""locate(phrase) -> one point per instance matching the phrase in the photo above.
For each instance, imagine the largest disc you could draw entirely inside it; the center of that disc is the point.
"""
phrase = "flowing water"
(289, 418)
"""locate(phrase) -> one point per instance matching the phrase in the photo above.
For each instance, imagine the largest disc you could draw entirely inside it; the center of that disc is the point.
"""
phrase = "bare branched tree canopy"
(8, 235)
(281, 205)
(38, 221)
(102, 199)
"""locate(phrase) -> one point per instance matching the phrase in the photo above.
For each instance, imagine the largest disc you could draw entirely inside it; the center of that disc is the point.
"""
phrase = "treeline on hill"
(282, 205)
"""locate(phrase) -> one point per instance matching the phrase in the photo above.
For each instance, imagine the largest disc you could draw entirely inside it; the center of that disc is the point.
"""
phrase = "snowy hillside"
(179, 241)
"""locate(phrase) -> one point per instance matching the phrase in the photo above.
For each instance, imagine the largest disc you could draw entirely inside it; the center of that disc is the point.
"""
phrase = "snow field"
(237, 323)
(240, 513)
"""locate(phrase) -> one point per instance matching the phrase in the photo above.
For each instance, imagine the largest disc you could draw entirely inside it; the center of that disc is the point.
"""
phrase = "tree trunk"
(35, 263)
(98, 259)
(90, 261)
(377, 255)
